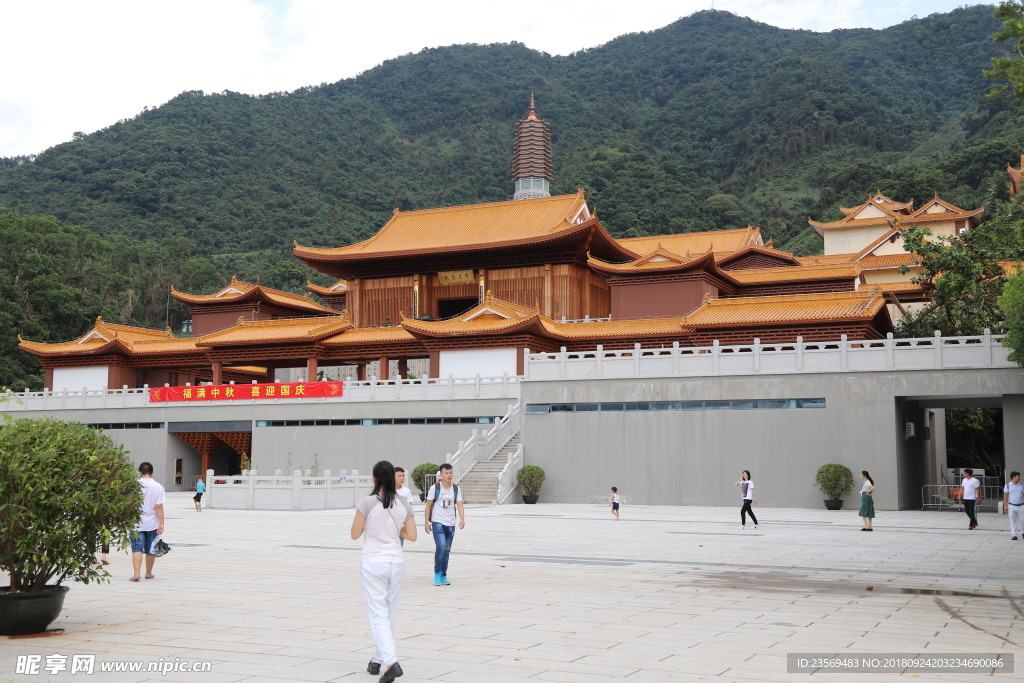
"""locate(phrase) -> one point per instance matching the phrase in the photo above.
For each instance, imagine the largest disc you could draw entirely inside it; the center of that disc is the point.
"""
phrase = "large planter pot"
(530, 500)
(25, 613)
(836, 504)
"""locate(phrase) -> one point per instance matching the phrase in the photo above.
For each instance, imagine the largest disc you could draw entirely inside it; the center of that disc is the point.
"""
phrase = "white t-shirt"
(747, 490)
(443, 511)
(383, 526)
(152, 495)
(615, 498)
(1015, 493)
(404, 492)
(971, 487)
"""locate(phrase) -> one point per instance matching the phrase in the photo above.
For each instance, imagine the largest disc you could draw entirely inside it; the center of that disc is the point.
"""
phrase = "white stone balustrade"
(798, 356)
(253, 491)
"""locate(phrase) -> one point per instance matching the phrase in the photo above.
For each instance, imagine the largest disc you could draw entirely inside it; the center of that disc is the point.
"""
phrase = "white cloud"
(80, 66)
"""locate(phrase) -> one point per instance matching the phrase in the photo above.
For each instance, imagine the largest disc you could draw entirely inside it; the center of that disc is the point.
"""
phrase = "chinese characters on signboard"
(244, 392)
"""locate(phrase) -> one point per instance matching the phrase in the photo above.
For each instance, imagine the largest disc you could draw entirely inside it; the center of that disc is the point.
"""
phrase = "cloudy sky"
(73, 65)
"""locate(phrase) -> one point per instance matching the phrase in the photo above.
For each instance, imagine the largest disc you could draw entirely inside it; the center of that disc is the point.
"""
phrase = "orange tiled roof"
(758, 249)
(858, 305)
(492, 316)
(824, 259)
(1012, 267)
(895, 287)
(659, 260)
(689, 243)
(895, 212)
(753, 276)
(610, 329)
(464, 227)
(107, 337)
(276, 331)
(239, 291)
(887, 261)
(369, 335)
(339, 287)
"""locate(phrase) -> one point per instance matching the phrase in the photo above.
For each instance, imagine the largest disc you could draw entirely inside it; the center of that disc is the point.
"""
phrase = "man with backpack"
(443, 501)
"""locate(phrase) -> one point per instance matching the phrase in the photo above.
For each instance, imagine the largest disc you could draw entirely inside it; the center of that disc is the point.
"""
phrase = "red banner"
(244, 392)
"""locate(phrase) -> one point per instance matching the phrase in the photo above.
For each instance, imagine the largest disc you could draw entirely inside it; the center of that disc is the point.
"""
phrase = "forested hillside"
(714, 121)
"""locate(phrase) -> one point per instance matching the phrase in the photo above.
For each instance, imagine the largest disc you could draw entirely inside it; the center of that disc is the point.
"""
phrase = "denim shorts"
(142, 541)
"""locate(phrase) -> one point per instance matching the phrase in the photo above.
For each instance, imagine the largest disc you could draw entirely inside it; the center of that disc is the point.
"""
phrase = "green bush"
(421, 472)
(530, 479)
(834, 480)
(64, 488)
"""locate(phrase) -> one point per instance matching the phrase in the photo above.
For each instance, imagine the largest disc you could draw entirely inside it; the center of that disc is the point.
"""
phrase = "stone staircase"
(480, 484)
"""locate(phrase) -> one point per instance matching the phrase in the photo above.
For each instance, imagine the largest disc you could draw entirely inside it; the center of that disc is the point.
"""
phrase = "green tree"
(1012, 305)
(965, 275)
(1009, 67)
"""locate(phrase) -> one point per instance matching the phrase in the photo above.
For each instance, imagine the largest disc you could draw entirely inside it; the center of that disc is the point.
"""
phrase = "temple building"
(465, 290)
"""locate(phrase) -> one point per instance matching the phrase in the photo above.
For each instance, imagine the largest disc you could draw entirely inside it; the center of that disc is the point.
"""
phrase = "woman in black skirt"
(867, 504)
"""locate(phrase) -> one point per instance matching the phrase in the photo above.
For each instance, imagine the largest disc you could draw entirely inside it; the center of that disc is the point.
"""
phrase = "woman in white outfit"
(382, 518)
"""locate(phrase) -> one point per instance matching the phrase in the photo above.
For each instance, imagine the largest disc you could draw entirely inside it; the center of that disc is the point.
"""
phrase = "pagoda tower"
(531, 162)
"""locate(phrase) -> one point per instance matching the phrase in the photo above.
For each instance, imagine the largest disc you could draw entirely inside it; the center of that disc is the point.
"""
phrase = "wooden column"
(206, 464)
(311, 370)
(361, 372)
(545, 306)
(385, 361)
(403, 368)
(354, 301)
(435, 363)
(218, 372)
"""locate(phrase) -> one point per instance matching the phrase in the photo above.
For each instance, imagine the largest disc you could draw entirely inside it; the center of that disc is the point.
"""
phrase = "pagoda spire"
(531, 159)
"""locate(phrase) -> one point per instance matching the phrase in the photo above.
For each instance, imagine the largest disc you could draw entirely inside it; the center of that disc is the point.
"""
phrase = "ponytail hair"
(384, 483)
(865, 473)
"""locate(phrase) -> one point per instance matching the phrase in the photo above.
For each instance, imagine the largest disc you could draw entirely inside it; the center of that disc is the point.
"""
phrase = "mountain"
(714, 121)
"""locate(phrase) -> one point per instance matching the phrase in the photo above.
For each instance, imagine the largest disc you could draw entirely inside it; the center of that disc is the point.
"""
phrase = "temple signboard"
(245, 392)
(456, 277)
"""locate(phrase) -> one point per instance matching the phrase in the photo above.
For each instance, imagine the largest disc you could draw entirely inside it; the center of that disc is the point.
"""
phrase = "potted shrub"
(835, 481)
(530, 479)
(419, 477)
(64, 488)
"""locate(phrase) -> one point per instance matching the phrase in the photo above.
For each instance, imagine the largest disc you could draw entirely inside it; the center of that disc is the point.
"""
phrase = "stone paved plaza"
(554, 593)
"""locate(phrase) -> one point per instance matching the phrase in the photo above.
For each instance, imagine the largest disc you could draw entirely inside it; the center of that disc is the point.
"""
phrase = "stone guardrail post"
(209, 488)
(938, 349)
(296, 489)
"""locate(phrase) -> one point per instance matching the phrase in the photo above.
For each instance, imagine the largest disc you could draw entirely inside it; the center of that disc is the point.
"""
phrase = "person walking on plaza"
(614, 502)
(151, 523)
(867, 503)
(442, 502)
(1013, 502)
(200, 490)
(382, 519)
(400, 488)
(973, 495)
(749, 497)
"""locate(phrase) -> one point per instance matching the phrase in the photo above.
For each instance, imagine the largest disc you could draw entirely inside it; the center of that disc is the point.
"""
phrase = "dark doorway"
(448, 308)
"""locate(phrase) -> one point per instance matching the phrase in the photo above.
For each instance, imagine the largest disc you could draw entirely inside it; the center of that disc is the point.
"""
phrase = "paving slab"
(555, 593)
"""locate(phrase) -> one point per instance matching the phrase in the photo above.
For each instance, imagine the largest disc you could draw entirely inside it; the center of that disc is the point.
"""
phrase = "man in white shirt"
(401, 489)
(971, 487)
(443, 499)
(151, 523)
(1013, 502)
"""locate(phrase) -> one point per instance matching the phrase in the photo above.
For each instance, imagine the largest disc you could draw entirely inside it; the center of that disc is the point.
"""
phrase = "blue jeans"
(443, 536)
